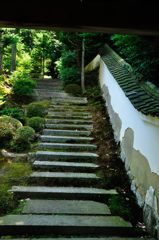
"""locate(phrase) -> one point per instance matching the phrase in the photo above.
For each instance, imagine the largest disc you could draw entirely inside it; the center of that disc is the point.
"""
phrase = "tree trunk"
(78, 51)
(1, 53)
(14, 52)
(13, 56)
(43, 66)
(82, 67)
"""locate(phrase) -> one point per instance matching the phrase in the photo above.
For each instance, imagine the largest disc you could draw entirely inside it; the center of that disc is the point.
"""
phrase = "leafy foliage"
(37, 123)
(25, 133)
(16, 174)
(22, 85)
(67, 68)
(8, 126)
(74, 89)
(140, 53)
(21, 141)
(119, 206)
(35, 109)
(16, 112)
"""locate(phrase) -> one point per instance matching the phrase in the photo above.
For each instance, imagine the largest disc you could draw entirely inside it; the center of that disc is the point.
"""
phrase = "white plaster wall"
(146, 133)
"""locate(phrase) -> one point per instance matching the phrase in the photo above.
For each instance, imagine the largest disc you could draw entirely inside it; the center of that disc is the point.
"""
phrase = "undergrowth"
(112, 169)
(13, 174)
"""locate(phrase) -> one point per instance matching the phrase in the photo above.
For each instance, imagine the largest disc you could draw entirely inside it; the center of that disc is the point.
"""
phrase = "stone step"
(36, 206)
(47, 84)
(69, 108)
(52, 90)
(67, 146)
(65, 166)
(69, 126)
(70, 116)
(64, 225)
(65, 139)
(61, 193)
(47, 87)
(70, 97)
(66, 112)
(73, 100)
(63, 179)
(47, 81)
(67, 101)
(66, 132)
(71, 121)
(44, 90)
(89, 238)
(78, 156)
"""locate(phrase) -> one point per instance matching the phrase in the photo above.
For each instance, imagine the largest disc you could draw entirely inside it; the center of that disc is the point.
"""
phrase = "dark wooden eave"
(118, 16)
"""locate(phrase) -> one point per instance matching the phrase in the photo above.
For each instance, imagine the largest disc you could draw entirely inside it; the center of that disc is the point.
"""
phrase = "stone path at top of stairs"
(64, 199)
(47, 88)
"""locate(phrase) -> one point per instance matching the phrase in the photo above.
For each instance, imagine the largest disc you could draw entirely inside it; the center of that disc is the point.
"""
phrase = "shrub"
(5, 134)
(21, 141)
(6, 199)
(14, 112)
(118, 205)
(69, 75)
(74, 89)
(12, 122)
(20, 146)
(25, 133)
(15, 174)
(23, 88)
(8, 127)
(37, 109)
(22, 85)
(37, 123)
(67, 68)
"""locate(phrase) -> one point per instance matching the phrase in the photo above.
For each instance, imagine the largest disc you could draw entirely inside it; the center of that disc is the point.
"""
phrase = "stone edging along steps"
(62, 197)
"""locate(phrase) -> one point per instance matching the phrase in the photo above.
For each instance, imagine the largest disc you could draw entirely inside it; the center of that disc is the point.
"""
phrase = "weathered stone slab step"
(73, 100)
(68, 108)
(65, 112)
(67, 193)
(50, 155)
(57, 132)
(45, 90)
(56, 91)
(70, 121)
(36, 206)
(65, 166)
(47, 87)
(68, 102)
(64, 139)
(69, 115)
(89, 238)
(69, 97)
(64, 225)
(63, 179)
(67, 146)
(69, 126)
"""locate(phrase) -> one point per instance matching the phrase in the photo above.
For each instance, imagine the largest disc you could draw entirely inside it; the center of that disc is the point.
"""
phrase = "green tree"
(44, 44)
(140, 53)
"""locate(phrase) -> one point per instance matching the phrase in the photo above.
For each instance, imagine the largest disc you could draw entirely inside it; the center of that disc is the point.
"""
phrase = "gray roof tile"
(142, 100)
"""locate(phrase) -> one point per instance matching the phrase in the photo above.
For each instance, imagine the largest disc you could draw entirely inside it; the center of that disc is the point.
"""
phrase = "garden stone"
(16, 157)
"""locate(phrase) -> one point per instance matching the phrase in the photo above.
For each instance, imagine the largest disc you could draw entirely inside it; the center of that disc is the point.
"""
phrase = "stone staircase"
(47, 88)
(64, 198)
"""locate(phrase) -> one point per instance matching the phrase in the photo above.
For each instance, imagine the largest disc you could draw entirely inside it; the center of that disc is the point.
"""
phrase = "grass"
(13, 174)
